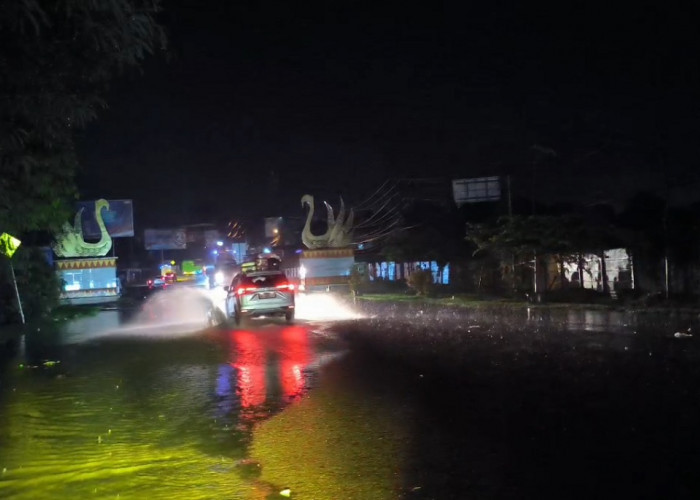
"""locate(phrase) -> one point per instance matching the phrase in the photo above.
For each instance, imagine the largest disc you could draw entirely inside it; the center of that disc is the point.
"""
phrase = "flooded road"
(125, 405)
(409, 404)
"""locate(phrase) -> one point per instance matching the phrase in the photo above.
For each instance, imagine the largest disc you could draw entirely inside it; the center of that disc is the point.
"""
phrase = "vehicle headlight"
(219, 278)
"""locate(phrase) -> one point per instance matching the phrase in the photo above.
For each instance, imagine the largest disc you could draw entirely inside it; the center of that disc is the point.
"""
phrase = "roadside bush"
(380, 285)
(38, 284)
(575, 296)
(421, 281)
(358, 281)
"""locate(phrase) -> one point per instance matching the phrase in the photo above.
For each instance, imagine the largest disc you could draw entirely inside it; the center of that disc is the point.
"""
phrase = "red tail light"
(288, 286)
(243, 291)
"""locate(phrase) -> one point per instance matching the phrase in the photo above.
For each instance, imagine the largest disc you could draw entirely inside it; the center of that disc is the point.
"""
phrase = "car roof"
(263, 273)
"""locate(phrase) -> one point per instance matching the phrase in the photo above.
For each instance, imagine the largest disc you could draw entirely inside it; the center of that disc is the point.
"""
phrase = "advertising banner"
(165, 239)
(118, 219)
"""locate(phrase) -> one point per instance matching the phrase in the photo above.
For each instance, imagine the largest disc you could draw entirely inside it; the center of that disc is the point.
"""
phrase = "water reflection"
(265, 369)
(580, 320)
(142, 415)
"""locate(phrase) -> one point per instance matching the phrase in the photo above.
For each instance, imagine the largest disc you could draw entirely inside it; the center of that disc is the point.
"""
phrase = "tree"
(56, 59)
(431, 232)
(564, 237)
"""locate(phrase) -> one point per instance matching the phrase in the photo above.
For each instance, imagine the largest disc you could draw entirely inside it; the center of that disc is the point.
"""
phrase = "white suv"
(260, 293)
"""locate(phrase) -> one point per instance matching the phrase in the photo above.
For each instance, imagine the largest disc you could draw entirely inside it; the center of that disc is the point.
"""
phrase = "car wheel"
(236, 316)
(289, 316)
(211, 317)
(216, 317)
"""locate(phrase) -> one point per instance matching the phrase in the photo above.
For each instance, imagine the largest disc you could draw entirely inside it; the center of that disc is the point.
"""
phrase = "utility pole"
(510, 217)
(665, 223)
(510, 197)
(19, 301)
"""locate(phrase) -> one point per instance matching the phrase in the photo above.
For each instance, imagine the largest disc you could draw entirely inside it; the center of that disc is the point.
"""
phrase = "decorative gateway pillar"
(330, 257)
(87, 276)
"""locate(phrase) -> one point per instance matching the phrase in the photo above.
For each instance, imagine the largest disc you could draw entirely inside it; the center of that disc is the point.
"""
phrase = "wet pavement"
(402, 403)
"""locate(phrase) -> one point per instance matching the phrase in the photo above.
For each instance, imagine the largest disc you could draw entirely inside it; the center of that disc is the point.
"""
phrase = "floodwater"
(393, 403)
(152, 404)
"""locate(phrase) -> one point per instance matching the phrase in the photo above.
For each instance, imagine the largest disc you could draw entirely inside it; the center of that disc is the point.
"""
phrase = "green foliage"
(56, 58)
(432, 232)
(421, 281)
(357, 280)
(517, 239)
(563, 235)
(38, 285)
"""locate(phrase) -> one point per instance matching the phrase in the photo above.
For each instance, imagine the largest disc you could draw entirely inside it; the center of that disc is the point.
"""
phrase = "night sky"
(260, 102)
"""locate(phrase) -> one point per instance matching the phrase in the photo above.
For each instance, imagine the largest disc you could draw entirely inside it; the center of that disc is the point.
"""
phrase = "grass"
(68, 312)
(476, 301)
(473, 301)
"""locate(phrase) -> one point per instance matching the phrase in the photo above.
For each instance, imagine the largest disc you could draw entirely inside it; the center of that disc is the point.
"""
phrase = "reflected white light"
(302, 272)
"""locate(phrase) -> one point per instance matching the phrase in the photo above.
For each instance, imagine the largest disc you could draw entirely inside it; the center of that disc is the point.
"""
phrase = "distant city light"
(215, 252)
(266, 250)
(219, 243)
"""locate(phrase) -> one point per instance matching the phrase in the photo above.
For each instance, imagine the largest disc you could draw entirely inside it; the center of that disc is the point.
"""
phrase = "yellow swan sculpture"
(339, 231)
(70, 242)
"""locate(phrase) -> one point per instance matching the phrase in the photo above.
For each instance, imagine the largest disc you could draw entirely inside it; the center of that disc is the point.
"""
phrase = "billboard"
(118, 220)
(476, 190)
(165, 239)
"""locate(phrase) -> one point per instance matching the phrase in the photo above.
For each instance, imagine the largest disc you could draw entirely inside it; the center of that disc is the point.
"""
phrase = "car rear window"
(265, 280)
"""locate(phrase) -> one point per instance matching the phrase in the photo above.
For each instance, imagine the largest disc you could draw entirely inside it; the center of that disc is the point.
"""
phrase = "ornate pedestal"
(326, 269)
(90, 280)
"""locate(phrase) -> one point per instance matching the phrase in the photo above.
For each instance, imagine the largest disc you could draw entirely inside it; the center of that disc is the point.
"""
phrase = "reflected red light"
(294, 356)
(251, 351)
(250, 367)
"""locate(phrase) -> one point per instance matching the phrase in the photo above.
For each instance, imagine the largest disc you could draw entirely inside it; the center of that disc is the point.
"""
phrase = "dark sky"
(263, 101)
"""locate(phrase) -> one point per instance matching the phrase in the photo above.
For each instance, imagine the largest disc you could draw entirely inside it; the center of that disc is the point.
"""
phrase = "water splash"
(324, 307)
(176, 305)
(175, 312)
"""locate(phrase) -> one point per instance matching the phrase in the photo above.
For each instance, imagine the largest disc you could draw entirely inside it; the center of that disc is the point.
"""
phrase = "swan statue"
(70, 242)
(341, 232)
(338, 233)
(309, 239)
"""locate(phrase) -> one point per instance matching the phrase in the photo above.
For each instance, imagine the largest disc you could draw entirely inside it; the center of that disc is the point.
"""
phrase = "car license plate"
(267, 295)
